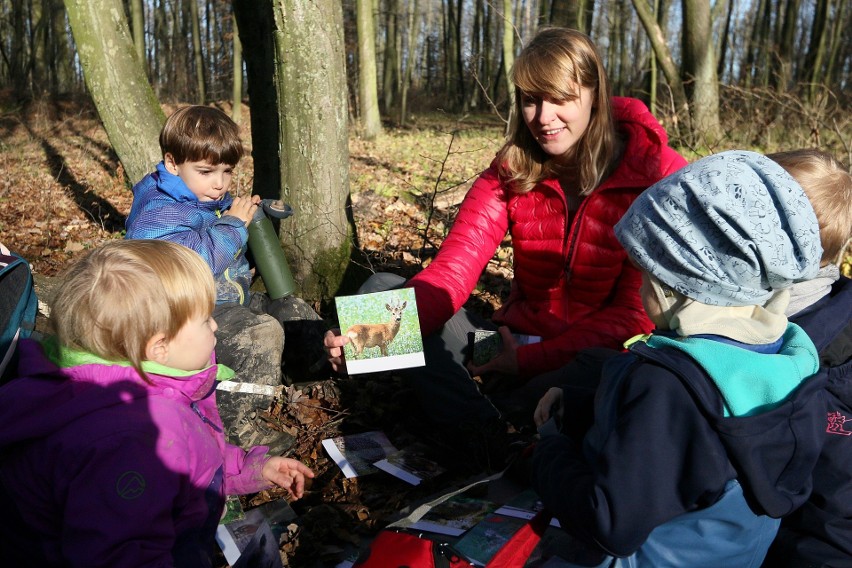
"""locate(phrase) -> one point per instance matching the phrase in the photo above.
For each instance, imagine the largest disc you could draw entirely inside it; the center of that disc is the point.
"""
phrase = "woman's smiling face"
(557, 125)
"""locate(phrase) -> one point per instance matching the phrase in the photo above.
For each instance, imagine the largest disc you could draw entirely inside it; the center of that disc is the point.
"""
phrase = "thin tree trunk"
(663, 54)
(565, 13)
(197, 55)
(700, 69)
(255, 23)
(237, 83)
(368, 92)
(409, 59)
(137, 16)
(160, 36)
(836, 42)
(786, 38)
(817, 48)
(130, 112)
(16, 52)
(509, 57)
(652, 76)
(389, 65)
(457, 52)
(722, 50)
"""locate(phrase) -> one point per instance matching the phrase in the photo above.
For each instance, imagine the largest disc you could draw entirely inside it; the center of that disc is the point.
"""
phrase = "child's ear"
(157, 349)
(169, 161)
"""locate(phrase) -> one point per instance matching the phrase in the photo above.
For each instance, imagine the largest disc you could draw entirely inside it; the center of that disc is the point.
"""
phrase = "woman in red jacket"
(575, 160)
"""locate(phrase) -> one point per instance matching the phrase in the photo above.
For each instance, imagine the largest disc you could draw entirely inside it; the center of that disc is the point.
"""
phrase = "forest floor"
(63, 192)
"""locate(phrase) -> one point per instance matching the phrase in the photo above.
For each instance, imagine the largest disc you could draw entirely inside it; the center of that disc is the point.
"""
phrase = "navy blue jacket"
(670, 454)
(820, 532)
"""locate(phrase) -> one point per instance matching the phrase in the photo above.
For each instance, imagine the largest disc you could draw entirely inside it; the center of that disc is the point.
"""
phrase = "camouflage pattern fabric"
(258, 342)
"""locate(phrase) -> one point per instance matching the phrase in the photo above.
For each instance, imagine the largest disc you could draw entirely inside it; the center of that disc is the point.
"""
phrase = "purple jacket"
(100, 468)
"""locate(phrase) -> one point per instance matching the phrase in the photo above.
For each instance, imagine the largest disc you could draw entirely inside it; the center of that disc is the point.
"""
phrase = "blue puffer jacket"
(165, 208)
(685, 466)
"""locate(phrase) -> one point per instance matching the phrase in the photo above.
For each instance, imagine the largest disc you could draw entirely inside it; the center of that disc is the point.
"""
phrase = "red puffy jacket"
(573, 286)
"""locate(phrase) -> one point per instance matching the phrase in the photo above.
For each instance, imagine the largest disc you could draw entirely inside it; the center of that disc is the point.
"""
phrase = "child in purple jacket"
(113, 450)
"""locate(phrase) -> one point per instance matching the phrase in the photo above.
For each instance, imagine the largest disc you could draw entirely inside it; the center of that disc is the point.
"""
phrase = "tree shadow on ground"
(99, 209)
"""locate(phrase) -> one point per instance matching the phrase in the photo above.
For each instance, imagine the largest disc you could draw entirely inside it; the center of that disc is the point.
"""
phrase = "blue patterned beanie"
(726, 230)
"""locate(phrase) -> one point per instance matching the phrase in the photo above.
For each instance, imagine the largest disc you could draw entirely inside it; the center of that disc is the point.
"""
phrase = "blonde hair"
(199, 133)
(828, 186)
(555, 65)
(119, 296)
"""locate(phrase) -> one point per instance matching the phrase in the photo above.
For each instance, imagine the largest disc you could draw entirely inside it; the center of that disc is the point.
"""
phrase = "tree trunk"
(197, 55)
(786, 37)
(160, 35)
(756, 47)
(137, 16)
(15, 48)
(652, 74)
(664, 55)
(724, 38)
(237, 83)
(509, 57)
(565, 13)
(817, 48)
(699, 67)
(130, 112)
(368, 92)
(458, 44)
(60, 72)
(836, 42)
(587, 13)
(389, 65)
(256, 29)
(409, 61)
(311, 78)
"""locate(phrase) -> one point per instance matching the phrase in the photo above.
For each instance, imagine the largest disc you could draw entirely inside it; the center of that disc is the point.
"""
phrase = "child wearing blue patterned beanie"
(706, 432)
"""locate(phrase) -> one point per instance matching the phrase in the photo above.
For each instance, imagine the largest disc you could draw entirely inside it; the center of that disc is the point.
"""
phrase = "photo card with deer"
(383, 330)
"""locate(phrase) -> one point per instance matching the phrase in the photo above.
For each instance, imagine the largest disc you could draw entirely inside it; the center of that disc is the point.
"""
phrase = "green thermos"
(266, 249)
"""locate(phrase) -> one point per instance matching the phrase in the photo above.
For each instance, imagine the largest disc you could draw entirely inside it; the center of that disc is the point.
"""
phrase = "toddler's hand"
(333, 343)
(243, 208)
(287, 473)
(552, 399)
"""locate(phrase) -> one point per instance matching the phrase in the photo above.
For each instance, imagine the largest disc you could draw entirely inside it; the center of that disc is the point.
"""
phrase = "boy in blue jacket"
(187, 201)
(707, 432)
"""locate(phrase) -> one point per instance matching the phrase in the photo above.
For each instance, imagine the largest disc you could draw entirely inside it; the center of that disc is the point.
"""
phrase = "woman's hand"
(506, 363)
(333, 343)
(548, 404)
(287, 473)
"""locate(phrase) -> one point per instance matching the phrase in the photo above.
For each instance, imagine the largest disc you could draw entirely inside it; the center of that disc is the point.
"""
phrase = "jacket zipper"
(571, 232)
(227, 273)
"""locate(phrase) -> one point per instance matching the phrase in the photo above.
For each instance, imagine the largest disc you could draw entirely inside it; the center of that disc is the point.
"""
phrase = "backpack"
(18, 307)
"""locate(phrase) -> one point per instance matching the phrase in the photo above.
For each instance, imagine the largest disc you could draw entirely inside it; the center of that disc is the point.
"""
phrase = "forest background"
(371, 118)
(415, 90)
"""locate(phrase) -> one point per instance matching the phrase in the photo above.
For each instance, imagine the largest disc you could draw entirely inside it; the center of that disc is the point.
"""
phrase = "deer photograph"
(367, 335)
(383, 331)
